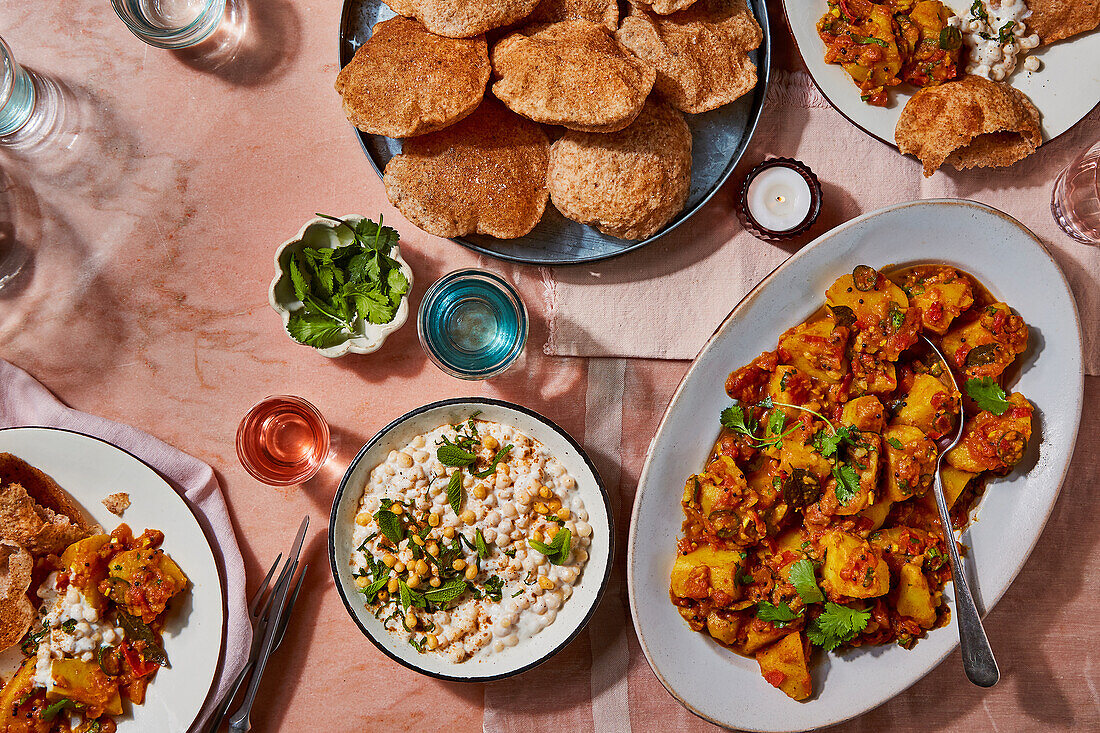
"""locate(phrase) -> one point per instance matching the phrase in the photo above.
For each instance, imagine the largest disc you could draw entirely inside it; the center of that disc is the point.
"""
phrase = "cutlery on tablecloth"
(269, 624)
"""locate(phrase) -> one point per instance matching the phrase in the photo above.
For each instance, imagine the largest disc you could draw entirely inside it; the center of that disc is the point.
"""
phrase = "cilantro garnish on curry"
(813, 522)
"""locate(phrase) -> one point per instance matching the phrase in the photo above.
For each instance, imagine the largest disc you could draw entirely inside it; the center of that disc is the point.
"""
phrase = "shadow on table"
(255, 43)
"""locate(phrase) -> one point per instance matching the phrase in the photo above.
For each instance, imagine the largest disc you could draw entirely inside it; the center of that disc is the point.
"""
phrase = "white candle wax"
(779, 198)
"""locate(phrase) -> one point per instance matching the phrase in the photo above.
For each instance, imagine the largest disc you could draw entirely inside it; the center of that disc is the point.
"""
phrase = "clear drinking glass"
(283, 440)
(170, 23)
(1075, 201)
(472, 324)
(16, 93)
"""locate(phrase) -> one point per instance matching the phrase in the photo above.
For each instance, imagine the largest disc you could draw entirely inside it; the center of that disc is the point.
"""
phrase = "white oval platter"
(727, 689)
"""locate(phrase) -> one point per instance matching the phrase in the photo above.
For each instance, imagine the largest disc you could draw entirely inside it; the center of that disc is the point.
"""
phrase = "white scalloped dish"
(320, 233)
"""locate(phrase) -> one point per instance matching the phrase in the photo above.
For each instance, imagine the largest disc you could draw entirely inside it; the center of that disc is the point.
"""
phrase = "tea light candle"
(780, 199)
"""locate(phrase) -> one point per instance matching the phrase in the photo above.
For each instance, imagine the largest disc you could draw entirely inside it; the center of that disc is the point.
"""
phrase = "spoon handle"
(977, 655)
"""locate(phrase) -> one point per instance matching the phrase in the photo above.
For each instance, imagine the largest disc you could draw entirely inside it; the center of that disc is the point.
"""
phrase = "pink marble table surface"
(151, 214)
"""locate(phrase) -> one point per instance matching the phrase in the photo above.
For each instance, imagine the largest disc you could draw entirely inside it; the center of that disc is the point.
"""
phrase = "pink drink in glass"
(283, 440)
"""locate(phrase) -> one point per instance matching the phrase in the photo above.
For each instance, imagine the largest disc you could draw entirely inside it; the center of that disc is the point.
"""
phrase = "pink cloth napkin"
(24, 401)
(664, 300)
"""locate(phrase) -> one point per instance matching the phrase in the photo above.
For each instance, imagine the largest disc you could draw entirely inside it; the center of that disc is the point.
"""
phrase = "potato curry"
(99, 640)
(813, 522)
(883, 45)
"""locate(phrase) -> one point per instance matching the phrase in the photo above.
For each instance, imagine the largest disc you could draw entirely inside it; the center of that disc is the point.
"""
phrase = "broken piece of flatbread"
(16, 610)
(970, 123)
(38, 529)
(117, 503)
(1056, 20)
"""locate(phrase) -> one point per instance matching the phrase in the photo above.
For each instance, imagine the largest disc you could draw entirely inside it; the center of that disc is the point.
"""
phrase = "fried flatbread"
(630, 183)
(43, 490)
(667, 7)
(463, 18)
(40, 530)
(970, 123)
(405, 81)
(604, 12)
(573, 74)
(1056, 20)
(701, 54)
(16, 610)
(487, 174)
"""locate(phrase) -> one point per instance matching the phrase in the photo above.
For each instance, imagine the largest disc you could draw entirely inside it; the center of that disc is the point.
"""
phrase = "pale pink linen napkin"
(664, 300)
(24, 401)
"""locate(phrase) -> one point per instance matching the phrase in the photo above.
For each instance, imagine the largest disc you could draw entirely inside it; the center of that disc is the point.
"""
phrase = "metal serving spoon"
(978, 662)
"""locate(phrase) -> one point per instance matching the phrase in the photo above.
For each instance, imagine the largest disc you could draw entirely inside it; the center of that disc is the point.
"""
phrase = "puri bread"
(970, 123)
(630, 183)
(43, 490)
(573, 73)
(701, 53)
(463, 18)
(486, 174)
(667, 7)
(1055, 20)
(405, 81)
(603, 12)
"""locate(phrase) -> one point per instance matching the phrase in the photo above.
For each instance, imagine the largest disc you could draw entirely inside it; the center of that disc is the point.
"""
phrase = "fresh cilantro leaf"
(836, 625)
(745, 579)
(399, 284)
(298, 280)
(895, 444)
(500, 456)
(733, 417)
(450, 454)
(847, 482)
(828, 445)
(315, 329)
(988, 395)
(779, 616)
(454, 491)
(390, 525)
(371, 304)
(804, 580)
(897, 318)
(776, 420)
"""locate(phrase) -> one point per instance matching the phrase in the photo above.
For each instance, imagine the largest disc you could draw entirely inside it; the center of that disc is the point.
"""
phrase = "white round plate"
(1065, 88)
(89, 469)
(727, 689)
(574, 613)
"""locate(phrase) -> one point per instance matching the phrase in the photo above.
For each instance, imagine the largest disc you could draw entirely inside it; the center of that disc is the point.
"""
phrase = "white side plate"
(1065, 88)
(727, 689)
(90, 469)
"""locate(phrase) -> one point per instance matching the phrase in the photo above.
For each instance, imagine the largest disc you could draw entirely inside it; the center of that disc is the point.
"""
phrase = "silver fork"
(259, 623)
(262, 619)
(977, 655)
(272, 633)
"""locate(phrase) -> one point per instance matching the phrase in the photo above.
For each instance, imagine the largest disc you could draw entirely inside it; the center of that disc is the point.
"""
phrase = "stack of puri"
(503, 105)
